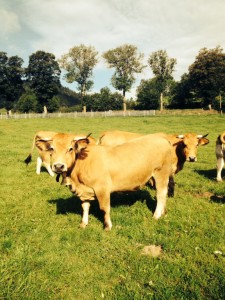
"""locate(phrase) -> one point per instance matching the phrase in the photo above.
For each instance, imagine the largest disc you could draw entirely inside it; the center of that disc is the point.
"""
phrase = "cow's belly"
(132, 183)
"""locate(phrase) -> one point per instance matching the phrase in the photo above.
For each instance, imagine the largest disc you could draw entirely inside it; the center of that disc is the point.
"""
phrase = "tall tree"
(207, 74)
(127, 62)
(11, 80)
(79, 63)
(162, 67)
(4, 83)
(43, 76)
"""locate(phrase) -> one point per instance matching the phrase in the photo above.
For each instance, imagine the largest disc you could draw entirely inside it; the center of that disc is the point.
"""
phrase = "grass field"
(45, 255)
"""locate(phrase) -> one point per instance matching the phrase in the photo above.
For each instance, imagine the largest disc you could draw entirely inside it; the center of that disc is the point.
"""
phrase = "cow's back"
(117, 137)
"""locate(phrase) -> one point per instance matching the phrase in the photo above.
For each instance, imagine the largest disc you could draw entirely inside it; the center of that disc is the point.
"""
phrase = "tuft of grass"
(45, 255)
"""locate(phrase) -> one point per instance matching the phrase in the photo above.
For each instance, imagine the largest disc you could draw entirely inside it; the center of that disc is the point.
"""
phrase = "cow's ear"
(43, 144)
(81, 144)
(203, 140)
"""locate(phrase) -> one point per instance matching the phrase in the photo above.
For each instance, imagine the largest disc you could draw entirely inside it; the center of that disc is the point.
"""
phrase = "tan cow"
(96, 171)
(44, 156)
(220, 155)
(184, 145)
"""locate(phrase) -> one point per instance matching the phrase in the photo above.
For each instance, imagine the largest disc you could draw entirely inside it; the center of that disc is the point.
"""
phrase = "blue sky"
(181, 27)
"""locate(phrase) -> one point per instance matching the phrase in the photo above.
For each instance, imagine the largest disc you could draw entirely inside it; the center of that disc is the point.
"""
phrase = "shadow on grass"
(73, 204)
(210, 174)
(217, 199)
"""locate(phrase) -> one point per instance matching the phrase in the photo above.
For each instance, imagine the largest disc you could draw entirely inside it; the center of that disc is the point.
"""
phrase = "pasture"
(45, 255)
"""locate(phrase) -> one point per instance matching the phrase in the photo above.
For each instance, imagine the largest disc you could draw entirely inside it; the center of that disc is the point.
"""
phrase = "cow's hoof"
(108, 227)
(158, 215)
(83, 225)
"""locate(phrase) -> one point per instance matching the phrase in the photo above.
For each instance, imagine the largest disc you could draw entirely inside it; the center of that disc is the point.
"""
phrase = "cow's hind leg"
(161, 194)
(85, 206)
(39, 163)
(103, 197)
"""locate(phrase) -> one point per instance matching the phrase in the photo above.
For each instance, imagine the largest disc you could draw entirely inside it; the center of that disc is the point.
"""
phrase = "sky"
(181, 27)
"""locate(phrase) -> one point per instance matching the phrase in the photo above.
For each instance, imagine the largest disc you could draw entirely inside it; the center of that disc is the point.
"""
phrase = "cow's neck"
(180, 156)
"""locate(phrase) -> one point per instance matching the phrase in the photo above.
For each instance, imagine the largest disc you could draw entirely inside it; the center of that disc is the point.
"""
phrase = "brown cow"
(96, 171)
(44, 156)
(220, 155)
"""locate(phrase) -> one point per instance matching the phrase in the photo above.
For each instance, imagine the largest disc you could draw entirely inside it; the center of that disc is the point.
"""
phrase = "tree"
(207, 74)
(127, 62)
(11, 82)
(148, 94)
(43, 77)
(79, 63)
(162, 67)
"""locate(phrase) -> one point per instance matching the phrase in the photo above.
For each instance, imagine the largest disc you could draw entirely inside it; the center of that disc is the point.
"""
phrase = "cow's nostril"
(192, 159)
(59, 167)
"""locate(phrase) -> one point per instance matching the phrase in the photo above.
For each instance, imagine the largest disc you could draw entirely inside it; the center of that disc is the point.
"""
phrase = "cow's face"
(190, 145)
(63, 149)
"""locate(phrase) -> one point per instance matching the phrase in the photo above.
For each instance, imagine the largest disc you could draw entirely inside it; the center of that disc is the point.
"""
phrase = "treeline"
(31, 88)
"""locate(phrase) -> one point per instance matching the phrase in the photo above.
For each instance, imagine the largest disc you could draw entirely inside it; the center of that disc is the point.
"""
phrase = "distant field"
(45, 255)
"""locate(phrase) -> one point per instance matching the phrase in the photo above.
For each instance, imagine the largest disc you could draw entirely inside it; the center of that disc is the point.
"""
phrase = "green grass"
(45, 255)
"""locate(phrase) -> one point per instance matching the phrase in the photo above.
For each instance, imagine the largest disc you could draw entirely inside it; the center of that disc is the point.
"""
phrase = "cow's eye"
(50, 148)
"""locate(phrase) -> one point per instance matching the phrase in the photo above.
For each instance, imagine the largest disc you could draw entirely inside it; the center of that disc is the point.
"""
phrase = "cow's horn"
(222, 138)
(45, 139)
(202, 136)
(88, 135)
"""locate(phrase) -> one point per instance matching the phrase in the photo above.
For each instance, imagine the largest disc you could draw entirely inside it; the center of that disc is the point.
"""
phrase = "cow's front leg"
(49, 169)
(85, 206)
(171, 186)
(220, 164)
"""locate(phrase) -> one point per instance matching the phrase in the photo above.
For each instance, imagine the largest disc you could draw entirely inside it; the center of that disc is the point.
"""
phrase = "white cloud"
(9, 23)
(181, 28)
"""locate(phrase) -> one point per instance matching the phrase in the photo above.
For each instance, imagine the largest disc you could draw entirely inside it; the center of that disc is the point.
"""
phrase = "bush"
(27, 103)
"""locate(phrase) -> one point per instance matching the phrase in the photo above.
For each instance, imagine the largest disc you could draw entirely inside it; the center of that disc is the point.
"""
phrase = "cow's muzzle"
(192, 159)
(59, 168)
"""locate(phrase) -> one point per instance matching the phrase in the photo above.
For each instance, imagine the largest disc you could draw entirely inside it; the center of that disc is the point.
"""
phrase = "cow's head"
(190, 143)
(63, 149)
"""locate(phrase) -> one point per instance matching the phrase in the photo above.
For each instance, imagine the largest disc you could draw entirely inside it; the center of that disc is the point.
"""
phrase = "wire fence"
(92, 114)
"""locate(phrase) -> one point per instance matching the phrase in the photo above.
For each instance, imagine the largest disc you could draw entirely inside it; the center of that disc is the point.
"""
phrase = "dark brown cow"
(220, 155)
(96, 171)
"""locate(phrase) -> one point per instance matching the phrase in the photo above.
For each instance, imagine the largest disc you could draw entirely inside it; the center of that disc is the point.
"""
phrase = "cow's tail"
(29, 157)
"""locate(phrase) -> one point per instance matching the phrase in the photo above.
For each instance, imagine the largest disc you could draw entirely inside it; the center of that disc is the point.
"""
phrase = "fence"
(110, 113)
